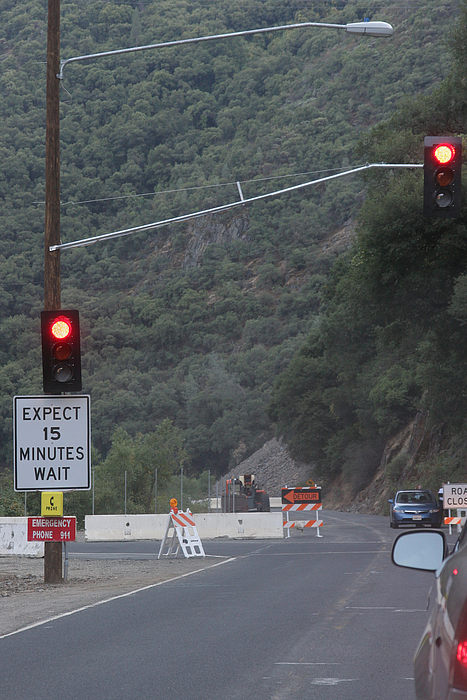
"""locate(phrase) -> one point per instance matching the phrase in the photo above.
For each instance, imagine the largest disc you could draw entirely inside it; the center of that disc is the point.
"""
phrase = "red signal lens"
(62, 351)
(444, 153)
(444, 177)
(60, 328)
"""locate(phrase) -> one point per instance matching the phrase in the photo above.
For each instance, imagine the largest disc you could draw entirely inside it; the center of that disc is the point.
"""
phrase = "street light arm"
(370, 28)
(223, 207)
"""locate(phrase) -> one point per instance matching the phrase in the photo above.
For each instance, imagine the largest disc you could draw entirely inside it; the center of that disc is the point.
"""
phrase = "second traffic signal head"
(442, 176)
(61, 353)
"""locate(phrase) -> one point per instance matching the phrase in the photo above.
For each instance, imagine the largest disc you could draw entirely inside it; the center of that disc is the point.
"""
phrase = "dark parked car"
(415, 507)
(440, 662)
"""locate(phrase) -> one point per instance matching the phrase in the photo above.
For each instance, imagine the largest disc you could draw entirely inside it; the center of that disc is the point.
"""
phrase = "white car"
(440, 662)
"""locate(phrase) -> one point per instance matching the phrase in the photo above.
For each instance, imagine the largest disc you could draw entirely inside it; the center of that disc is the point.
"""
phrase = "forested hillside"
(186, 329)
(389, 350)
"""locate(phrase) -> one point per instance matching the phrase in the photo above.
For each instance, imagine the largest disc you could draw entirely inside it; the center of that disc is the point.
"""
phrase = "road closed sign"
(454, 496)
(51, 443)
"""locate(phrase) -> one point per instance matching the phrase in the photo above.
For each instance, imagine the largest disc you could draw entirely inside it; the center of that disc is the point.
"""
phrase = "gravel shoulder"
(27, 600)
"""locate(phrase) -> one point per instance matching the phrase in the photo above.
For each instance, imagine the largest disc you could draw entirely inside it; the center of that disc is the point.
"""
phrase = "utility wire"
(196, 187)
(224, 207)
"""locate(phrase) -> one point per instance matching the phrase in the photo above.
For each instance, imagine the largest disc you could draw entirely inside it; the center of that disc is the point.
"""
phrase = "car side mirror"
(390, 500)
(424, 550)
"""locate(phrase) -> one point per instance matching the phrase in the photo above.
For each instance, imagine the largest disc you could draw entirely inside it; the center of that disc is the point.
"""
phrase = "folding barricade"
(299, 499)
(181, 534)
(458, 520)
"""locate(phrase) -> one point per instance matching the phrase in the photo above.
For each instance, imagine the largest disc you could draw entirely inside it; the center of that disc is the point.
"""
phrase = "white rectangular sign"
(454, 496)
(51, 443)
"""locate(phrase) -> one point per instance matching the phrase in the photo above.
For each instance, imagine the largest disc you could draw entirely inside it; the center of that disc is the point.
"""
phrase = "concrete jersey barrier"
(209, 526)
(14, 538)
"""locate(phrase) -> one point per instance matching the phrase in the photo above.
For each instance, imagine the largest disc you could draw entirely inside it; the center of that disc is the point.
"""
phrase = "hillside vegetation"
(185, 330)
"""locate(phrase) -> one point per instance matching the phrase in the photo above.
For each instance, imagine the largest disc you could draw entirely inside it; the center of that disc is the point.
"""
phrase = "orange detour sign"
(302, 495)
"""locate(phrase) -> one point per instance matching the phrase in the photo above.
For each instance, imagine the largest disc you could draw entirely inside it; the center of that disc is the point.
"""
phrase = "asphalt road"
(305, 617)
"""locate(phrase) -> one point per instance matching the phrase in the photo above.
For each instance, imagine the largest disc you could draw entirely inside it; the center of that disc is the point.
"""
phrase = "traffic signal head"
(61, 354)
(442, 176)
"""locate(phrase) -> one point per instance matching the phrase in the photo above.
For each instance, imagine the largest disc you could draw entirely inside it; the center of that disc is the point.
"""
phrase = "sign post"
(52, 453)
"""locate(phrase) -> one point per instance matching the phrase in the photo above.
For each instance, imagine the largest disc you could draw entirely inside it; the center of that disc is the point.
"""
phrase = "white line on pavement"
(109, 600)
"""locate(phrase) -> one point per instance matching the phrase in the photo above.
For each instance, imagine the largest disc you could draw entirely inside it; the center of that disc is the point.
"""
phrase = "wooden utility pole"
(53, 550)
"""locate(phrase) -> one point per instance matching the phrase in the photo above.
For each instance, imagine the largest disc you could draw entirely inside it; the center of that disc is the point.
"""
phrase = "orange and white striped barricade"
(181, 534)
(458, 520)
(301, 524)
(301, 499)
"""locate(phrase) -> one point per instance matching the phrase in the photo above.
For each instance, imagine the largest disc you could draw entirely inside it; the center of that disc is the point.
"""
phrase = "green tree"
(138, 457)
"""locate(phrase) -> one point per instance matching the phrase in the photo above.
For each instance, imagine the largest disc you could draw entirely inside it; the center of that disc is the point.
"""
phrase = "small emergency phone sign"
(52, 503)
(51, 443)
(52, 529)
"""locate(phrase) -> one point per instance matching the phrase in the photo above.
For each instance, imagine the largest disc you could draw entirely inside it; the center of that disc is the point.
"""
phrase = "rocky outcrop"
(273, 467)
(211, 230)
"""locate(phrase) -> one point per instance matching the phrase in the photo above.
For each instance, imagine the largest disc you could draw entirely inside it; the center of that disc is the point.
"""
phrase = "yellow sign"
(51, 503)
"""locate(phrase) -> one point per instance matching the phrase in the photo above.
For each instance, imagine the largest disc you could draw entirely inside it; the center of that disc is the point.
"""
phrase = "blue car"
(416, 507)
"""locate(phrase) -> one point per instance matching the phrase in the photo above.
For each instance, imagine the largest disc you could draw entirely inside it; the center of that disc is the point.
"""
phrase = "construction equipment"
(243, 495)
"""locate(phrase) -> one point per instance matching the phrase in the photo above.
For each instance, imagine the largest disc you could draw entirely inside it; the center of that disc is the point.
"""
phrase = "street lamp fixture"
(370, 28)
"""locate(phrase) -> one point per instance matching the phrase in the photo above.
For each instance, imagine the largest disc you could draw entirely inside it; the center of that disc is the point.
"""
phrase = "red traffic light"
(60, 328)
(442, 172)
(61, 353)
(444, 153)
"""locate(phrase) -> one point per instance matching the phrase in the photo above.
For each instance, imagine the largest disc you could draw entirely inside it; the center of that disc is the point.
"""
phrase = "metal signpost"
(51, 443)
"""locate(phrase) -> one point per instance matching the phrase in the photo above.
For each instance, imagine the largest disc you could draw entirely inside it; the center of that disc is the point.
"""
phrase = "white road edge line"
(120, 555)
(307, 663)
(109, 600)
